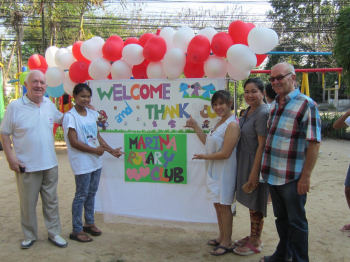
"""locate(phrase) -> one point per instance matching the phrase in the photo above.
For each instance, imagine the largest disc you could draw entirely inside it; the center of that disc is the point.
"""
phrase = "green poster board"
(155, 158)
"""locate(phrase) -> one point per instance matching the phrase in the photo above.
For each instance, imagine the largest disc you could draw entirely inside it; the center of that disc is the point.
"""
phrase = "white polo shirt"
(31, 129)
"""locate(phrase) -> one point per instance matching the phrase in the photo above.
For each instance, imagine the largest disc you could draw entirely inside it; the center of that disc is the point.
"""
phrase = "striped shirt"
(290, 126)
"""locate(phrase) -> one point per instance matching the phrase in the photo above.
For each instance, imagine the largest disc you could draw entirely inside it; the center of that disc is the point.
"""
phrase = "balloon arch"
(167, 54)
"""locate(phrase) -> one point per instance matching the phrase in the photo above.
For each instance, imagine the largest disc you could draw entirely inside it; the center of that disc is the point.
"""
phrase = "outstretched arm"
(191, 123)
(230, 141)
(114, 152)
(340, 122)
(73, 140)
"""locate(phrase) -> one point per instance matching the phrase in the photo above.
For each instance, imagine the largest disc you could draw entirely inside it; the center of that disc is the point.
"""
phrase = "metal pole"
(235, 97)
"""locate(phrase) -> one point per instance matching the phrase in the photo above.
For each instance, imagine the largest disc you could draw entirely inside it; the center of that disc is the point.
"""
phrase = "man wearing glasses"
(290, 154)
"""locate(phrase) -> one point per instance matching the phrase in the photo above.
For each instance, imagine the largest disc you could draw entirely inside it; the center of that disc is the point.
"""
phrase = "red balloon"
(155, 48)
(79, 72)
(198, 49)
(260, 59)
(140, 71)
(112, 48)
(144, 38)
(220, 43)
(76, 52)
(193, 70)
(238, 30)
(131, 40)
(37, 62)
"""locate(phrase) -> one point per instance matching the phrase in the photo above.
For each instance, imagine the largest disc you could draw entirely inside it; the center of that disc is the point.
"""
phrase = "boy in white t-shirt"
(342, 122)
(85, 146)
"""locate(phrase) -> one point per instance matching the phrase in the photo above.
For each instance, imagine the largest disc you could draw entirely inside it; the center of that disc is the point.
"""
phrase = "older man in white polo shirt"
(28, 124)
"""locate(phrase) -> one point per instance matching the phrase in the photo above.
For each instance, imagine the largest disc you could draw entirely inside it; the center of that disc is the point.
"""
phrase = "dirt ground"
(132, 239)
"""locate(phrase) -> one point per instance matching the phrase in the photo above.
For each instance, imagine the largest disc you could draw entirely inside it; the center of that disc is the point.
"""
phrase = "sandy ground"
(131, 239)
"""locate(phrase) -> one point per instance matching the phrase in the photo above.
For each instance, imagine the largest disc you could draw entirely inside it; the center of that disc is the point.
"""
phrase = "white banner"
(143, 110)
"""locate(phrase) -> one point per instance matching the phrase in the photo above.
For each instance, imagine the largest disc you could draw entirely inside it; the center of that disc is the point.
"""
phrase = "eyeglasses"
(279, 78)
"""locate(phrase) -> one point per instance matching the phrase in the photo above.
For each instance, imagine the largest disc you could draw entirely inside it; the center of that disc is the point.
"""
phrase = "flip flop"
(240, 242)
(226, 250)
(250, 249)
(76, 237)
(345, 228)
(213, 242)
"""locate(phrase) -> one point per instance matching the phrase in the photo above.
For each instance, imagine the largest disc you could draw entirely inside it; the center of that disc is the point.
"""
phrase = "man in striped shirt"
(290, 154)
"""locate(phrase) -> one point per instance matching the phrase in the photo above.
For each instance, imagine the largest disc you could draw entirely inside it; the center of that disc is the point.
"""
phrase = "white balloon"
(208, 32)
(215, 67)
(167, 33)
(92, 48)
(64, 58)
(50, 56)
(54, 76)
(120, 70)
(241, 57)
(175, 56)
(237, 74)
(133, 54)
(262, 40)
(173, 71)
(68, 84)
(155, 70)
(99, 68)
(183, 37)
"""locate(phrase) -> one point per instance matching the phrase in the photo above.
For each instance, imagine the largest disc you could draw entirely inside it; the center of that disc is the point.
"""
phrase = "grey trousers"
(29, 186)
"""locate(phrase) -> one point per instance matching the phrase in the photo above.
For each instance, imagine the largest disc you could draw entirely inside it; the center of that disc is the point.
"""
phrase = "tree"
(306, 26)
(342, 44)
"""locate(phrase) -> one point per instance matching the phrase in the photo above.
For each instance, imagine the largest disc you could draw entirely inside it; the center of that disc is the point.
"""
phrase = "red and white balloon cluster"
(166, 54)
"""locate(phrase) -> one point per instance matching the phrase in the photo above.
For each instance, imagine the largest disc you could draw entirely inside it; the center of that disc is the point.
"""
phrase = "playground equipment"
(305, 81)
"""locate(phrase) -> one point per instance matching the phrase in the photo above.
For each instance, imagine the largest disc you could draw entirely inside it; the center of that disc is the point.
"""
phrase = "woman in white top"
(85, 146)
(220, 145)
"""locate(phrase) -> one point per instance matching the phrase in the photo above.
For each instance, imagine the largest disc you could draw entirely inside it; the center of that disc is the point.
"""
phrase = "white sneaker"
(27, 243)
(58, 241)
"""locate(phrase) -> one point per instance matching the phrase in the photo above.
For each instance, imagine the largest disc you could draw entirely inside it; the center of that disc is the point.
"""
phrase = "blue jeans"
(291, 223)
(86, 187)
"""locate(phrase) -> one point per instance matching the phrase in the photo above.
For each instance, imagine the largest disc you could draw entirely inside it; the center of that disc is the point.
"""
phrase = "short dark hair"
(222, 95)
(256, 81)
(270, 93)
(80, 87)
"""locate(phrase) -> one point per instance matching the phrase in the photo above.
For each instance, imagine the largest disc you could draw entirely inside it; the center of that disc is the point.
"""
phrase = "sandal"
(213, 242)
(240, 242)
(247, 249)
(92, 230)
(225, 250)
(80, 237)
(345, 228)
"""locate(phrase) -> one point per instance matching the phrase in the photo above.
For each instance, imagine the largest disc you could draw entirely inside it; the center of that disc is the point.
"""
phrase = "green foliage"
(59, 134)
(327, 130)
(239, 93)
(306, 26)
(342, 44)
